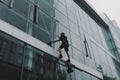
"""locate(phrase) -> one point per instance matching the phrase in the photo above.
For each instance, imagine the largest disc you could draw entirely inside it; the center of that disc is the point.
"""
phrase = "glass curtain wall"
(22, 17)
(22, 60)
(18, 60)
(46, 19)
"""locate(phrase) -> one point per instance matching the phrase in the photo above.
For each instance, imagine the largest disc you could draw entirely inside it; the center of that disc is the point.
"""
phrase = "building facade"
(27, 26)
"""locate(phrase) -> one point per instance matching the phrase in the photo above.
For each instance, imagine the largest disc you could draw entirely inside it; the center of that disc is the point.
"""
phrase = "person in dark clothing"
(64, 45)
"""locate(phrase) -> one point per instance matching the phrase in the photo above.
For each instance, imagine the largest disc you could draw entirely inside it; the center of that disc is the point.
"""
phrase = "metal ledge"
(22, 36)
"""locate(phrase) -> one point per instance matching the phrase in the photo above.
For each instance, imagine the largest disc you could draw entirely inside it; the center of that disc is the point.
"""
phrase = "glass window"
(76, 41)
(45, 21)
(89, 25)
(74, 27)
(16, 20)
(70, 6)
(106, 70)
(61, 18)
(78, 17)
(22, 9)
(84, 22)
(95, 32)
(80, 12)
(56, 27)
(6, 1)
(102, 37)
(62, 1)
(41, 19)
(110, 42)
(72, 17)
(117, 69)
(98, 39)
(78, 55)
(39, 61)
(79, 75)
(90, 59)
(50, 1)
(102, 56)
(3, 9)
(9, 50)
(96, 54)
(35, 60)
(92, 26)
(60, 7)
(40, 34)
(46, 6)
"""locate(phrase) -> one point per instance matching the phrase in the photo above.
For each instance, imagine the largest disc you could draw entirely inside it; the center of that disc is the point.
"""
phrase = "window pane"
(46, 6)
(10, 50)
(50, 1)
(17, 20)
(10, 58)
(3, 9)
(61, 18)
(78, 55)
(72, 17)
(74, 28)
(40, 34)
(60, 7)
(62, 1)
(6, 1)
(76, 41)
(45, 21)
(70, 5)
(22, 9)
